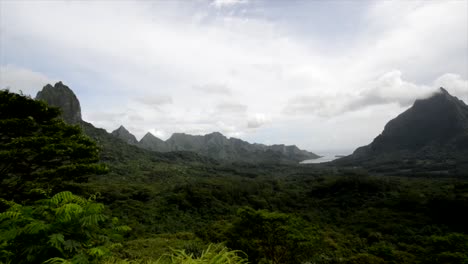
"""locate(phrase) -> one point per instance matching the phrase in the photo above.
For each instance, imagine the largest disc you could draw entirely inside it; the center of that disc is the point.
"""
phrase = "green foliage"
(63, 229)
(213, 254)
(160, 245)
(38, 150)
(301, 214)
(272, 237)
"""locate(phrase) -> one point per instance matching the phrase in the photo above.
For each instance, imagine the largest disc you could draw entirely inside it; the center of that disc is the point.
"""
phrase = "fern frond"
(11, 215)
(7, 203)
(71, 245)
(80, 259)
(123, 228)
(35, 227)
(9, 234)
(97, 252)
(94, 208)
(56, 240)
(92, 220)
(57, 261)
(60, 197)
(66, 211)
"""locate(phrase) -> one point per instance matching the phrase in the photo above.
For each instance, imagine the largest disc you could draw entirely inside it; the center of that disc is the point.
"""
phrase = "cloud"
(214, 88)
(161, 134)
(320, 105)
(231, 108)
(258, 120)
(227, 3)
(20, 79)
(390, 88)
(256, 61)
(455, 85)
(156, 100)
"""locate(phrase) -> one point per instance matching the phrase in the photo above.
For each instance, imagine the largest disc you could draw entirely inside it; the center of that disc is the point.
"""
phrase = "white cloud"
(390, 88)
(455, 85)
(213, 70)
(18, 79)
(258, 120)
(161, 134)
(156, 100)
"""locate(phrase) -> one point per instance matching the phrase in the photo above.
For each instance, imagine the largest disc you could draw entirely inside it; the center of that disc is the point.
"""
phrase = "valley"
(355, 209)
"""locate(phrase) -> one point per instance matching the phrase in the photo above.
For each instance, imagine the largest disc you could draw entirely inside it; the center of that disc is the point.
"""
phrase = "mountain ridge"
(213, 145)
(218, 146)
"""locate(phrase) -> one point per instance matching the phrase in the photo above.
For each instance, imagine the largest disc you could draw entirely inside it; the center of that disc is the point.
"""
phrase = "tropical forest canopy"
(76, 194)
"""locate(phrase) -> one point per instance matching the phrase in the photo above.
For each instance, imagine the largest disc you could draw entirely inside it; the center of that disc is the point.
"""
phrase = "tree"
(63, 229)
(38, 151)
(272, 237)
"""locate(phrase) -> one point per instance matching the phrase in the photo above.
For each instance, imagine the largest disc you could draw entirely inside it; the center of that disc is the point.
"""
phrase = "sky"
(322, 75)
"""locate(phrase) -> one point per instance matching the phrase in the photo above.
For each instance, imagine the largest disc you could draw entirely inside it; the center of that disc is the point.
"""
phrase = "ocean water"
(327, 156)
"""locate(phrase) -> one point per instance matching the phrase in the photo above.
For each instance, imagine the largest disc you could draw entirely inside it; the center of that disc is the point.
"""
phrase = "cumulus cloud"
(19, 79)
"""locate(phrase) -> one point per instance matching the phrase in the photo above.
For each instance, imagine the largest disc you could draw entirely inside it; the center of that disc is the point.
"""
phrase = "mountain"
(150, 142)
(125, 135)
(432, 134)
(217, 146)
(116, 148)
(187, 147)
(63, 97)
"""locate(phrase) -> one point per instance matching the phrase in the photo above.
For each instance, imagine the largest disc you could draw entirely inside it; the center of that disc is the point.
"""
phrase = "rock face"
(124, 135)
(217, 146)
(433, 129)
(63, 97)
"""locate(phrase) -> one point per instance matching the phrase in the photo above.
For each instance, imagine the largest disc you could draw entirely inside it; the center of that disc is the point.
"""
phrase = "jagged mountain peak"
(443, 91)
(125, 135)
(149, 135)
(63, 97)
(151, 142)
(121, 128)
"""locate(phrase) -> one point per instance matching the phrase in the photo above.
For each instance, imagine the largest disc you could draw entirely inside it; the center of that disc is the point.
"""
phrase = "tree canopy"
(38, 151)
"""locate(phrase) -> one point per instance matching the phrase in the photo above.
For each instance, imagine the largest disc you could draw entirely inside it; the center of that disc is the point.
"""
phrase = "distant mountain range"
(217, 146)
(432, 135)
(214, 145)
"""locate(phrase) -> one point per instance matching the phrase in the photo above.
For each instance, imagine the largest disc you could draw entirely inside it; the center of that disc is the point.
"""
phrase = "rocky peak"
(125, 135)
(436, 118)
(435, 122)
(151, 142)
(62, 96)
(149, 136)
